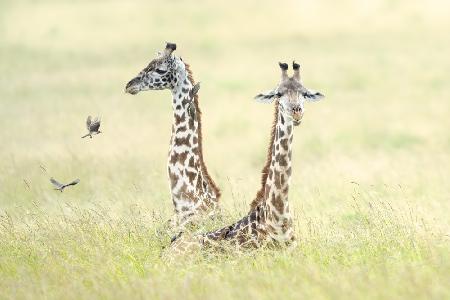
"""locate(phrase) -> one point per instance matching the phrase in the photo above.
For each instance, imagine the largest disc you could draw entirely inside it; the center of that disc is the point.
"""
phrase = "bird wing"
(73, 182)
(88, 122)
(55, 183)
(95, 125)
(194, 90)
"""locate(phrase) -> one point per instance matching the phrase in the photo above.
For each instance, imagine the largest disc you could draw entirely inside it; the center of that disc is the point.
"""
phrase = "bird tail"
(85, 135)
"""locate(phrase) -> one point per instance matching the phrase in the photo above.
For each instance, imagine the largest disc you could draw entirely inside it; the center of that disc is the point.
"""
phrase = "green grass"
(371, 162)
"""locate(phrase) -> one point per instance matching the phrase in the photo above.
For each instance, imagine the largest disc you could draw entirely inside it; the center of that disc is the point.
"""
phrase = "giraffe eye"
(159, 71)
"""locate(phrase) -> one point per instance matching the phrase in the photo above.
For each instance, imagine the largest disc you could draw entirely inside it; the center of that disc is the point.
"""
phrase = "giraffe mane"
(200, 138)
(265, 171)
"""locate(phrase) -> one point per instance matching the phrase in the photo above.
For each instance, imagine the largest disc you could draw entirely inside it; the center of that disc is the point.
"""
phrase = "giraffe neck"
(182, 85)
(269, 219)
(276, 187)
(192, 188)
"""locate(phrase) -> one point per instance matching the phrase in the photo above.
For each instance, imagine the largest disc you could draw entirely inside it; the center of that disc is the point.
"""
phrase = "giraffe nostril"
(132, 82)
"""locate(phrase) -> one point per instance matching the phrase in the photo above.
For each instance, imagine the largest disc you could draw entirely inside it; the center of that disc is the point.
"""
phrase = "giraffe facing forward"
(193, 190)
(269, 221)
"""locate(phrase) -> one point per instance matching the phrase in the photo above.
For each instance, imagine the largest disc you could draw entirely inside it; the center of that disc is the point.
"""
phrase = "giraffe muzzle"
(296, 121)
(132, 86)
(297, 115)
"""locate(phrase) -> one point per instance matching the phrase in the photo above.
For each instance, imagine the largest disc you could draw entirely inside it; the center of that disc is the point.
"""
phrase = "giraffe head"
(158, 75)
(290, 94)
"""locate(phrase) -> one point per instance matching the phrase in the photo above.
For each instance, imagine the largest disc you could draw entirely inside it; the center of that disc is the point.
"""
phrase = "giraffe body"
(193, 190)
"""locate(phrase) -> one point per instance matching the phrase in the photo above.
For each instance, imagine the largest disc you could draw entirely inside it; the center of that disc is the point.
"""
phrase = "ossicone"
(170, 47)
(296, 68)
(283, 66)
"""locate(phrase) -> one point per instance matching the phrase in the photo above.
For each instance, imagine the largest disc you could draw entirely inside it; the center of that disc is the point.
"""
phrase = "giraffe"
(269, 222)
(193, 191)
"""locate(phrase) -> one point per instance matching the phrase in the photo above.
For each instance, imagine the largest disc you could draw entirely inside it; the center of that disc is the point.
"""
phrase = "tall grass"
(370, 163)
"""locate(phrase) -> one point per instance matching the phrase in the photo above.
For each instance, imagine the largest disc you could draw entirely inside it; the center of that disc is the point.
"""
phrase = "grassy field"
(371, 162)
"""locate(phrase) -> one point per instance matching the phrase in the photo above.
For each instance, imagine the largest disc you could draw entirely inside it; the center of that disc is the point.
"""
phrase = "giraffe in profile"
(269, 222)
(193, 191)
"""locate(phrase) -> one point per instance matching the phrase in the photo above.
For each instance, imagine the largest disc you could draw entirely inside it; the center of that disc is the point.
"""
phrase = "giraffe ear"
(312, 95)
(267, 97)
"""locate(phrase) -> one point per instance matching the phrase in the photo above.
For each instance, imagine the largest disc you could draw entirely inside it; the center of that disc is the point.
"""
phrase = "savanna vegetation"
(371, 162)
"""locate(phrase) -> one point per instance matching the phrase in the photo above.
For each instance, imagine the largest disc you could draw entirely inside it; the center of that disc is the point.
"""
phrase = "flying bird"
(60, 186)
(92, 126)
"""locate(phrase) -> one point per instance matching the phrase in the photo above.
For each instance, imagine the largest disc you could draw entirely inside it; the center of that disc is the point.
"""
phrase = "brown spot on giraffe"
(181, 129)
(277, 179)
(191, 162)
(191, 123)
(284, 144)
(184, 102)
(191, 176)
(184, 191)
(182, 157)
(174, 158)
(289, 132)
(278, 203)
(182, 140)
(281, 159)
(180, 119)
(282, 180)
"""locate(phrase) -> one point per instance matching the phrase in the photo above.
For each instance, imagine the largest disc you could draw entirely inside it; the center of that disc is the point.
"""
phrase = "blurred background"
(383, 126)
